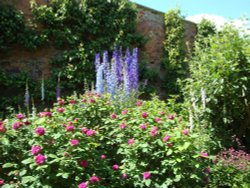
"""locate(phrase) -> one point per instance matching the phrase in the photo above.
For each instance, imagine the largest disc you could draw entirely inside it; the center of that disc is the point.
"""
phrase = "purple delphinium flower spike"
(26, 95)
(97, 61)
(117, 59)
(99, 79)
(106, 63)
(134, 70)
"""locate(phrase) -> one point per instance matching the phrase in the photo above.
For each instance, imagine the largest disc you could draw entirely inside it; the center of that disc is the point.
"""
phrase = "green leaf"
(40, 121)
(23, 172)
(148, 182)
(169, 152)
(65, 175)
(27, 179)
(52, 156)
(28, 161)
(8, 165)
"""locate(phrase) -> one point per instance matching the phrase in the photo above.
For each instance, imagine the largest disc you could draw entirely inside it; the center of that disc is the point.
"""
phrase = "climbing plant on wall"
(175, 55)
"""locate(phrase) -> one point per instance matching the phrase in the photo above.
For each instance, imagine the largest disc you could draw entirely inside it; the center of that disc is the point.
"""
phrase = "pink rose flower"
(113, 116)
(124, 112)
(2, 128)
(84, 130)
(171, 117)
(60, 110)
(124, 176)
(185, 131)
(20, 116)
(103, 157)
(90, 132)
(154, 131)
(92, 101)
(139, 103)
(143, 126)
(144, 114)
(26, 123)
(131, 141)
(72, 101)
(1, 182)
(204, 154)
(35, 150)
(17, 125)
(61, 102)
(84, 100)
(146, 175)
(45, 114)
(166, 138)
(94, 179)
(123, 126)
(83, 185)
(40, 131)
(115, 167)
(157, 120)
(74, 142)
(70, 128)
(40, 159)
(84, 163)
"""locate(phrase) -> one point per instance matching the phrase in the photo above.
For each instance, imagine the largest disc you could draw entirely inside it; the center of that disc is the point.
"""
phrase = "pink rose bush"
(80, 144)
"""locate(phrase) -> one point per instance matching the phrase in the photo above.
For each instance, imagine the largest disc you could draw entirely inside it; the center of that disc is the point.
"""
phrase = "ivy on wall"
(175, 62)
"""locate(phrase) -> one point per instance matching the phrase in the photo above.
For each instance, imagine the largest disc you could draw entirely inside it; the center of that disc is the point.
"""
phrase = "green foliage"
(217, 90)
(176, 162)
(175, 62)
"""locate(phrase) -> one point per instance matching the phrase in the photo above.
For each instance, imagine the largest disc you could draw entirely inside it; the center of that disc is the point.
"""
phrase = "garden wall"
(36, 62)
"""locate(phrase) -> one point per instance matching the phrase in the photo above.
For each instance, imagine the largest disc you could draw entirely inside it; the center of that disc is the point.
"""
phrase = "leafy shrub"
(217, 90)
(88, 140)
(232, 169)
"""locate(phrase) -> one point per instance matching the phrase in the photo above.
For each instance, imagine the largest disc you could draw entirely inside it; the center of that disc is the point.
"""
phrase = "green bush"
(217, 90)
(88, 139)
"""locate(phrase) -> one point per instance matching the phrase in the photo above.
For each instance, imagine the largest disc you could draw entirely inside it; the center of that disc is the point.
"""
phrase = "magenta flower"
(103, 157)
(124, 176)
(146, 175)
(157, 120)
(139, 103)
(70, 128)
(61, 102)
(123, 126)
(20, 116)
(154, 131)
(131, 141)
(204, 154)
(26, 123)
(45, 114)
(2, 128)
(166, 138)
(84, 163)
(124, 112)
(84, 100)
(40, 131)
(60, 110)
(1, 182)
(84, 130)
(113, 116)
(143, 126)
(74, 142)
(92, 101)
(94, 179)
(35, 150)
(40, 159)
(171, 117)
(72, 101)
(90, 132)
(115, 167)
(17, 125)
(144, 114)
(83, 185)
(185, 131)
